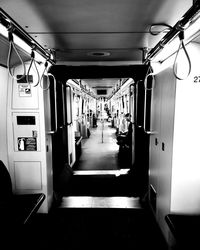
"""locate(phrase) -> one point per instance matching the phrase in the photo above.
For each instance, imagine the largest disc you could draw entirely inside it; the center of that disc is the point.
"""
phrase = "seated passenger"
(125, 138)
(122, 124)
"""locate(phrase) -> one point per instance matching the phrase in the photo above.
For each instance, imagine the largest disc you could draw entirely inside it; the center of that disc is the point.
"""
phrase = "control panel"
(26, 131)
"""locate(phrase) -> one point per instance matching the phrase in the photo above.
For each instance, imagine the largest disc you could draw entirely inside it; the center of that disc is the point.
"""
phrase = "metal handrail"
(70, 93)
(176, 29)
(6, 20)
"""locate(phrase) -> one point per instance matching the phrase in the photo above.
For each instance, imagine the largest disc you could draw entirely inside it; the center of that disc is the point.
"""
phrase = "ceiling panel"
(86, 55)
(75, 27)
(101, 84)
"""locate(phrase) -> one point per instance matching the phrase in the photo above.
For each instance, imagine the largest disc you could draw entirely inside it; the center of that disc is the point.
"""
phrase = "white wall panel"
(186, 151)
(3, 111)
(161, 142)
(28, 175)
(175, 161)
(30, 165)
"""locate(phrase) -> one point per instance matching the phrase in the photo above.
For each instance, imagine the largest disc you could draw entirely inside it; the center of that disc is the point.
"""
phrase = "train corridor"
(97, 210)
(100, 170)
(100, 150)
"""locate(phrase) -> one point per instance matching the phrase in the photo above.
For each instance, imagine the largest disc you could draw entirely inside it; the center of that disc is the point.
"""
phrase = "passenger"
(124, 139)
(94, 121)
(123, 124)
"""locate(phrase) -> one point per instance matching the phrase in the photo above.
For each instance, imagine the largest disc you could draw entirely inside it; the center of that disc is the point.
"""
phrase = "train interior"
(99, 128)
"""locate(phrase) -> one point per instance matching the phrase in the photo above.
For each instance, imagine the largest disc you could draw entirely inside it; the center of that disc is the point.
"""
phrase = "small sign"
(24, 90)
(197, 79)
(27, 144)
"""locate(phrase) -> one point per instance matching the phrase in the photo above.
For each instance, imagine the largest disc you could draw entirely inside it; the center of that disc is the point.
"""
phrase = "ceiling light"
(19, 42)
(3, 30)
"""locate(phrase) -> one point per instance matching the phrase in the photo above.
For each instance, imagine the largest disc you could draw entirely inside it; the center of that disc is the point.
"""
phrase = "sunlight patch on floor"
(102, 172)
(100, 202)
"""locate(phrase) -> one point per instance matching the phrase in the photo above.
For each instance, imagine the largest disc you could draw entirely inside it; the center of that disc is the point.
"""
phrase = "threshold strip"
(100, 202)
(101, 172)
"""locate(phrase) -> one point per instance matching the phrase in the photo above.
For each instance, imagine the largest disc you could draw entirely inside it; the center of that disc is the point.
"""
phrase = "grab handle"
(138, 122)
(70, 94)
(54, 126)
(149, 132)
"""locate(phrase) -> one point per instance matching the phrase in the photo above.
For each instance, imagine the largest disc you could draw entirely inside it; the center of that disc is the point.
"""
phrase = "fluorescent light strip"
(19, 42)
(3, 31)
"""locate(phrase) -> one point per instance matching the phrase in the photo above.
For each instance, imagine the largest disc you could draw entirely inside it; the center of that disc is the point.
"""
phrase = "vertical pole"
(102, 129)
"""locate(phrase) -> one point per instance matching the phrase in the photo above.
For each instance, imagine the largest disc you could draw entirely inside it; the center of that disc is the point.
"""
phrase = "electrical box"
(29, 144)
(26, 131)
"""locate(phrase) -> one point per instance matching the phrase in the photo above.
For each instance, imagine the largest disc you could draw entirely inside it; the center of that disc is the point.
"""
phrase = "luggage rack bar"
(176, 29)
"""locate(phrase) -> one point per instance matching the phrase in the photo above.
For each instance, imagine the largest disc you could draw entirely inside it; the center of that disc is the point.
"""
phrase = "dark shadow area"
(96, 155)
(100, 185)
(92, 229)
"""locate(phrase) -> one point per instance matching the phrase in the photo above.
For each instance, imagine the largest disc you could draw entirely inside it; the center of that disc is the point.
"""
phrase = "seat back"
(5, 183)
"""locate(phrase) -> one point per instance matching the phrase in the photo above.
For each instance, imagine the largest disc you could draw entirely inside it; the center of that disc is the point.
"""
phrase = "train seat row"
(16, 209)
(184, 229)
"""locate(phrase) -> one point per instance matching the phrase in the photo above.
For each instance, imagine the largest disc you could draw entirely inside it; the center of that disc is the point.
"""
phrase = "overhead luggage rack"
(174, 31)
(15, 28)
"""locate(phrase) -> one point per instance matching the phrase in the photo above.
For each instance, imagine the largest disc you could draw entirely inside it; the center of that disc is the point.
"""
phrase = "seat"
(185, 230)
(16, 209)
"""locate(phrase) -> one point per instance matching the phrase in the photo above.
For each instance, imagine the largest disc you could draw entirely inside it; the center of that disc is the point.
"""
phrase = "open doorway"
(98, 108)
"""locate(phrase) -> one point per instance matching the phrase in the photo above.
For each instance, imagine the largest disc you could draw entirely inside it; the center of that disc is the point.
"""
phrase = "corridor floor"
(91, 228)
(100, 171)
(98, 208)
(100, 151)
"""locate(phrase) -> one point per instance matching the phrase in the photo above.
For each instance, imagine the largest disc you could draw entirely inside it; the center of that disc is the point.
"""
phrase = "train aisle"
(100, 171)
(98, 209)
(100, 150)
(92, 228)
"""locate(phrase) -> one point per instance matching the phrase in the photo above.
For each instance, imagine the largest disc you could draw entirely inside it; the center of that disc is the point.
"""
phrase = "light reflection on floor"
(101, 172)
(100, 202)
(100, 153)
